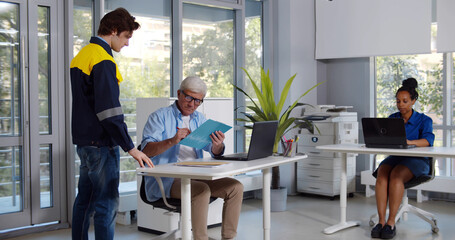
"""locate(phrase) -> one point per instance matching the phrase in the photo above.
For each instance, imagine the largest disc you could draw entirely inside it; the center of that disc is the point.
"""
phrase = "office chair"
(172, 205)
(406, 207)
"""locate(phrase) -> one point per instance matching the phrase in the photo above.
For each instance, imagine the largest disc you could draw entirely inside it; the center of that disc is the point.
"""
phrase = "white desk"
(344, 149)
(234, 168)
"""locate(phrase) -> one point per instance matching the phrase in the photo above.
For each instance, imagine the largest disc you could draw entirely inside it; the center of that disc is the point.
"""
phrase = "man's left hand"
(217, 142)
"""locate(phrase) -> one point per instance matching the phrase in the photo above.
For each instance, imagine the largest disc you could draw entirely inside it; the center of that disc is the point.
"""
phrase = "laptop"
(384, 133)
(261, 144)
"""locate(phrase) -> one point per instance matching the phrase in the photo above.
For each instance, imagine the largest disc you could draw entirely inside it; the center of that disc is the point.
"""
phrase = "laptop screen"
(384, 132)
(262, 139)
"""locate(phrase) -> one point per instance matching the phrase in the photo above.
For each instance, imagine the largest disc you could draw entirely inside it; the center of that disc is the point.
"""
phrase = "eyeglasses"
(189, 98)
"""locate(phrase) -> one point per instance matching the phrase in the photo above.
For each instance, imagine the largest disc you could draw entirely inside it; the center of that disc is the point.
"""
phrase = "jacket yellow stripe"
(91, 55)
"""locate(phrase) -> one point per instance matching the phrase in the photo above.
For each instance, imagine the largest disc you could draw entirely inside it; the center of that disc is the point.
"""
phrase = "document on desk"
(200, 137)
(200, 164)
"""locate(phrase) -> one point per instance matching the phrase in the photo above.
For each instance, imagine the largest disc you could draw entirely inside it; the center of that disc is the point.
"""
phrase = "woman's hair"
(118, 20)
(410, 86)
(193, 84)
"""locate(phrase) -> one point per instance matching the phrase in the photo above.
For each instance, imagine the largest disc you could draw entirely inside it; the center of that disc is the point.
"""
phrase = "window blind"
(363, 28)
(445, 41)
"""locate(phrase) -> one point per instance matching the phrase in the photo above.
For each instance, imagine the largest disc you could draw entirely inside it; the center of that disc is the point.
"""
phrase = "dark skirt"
(418, 165)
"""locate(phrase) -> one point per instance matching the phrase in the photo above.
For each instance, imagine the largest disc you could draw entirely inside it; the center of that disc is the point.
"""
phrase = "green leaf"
(257, 91)
(282, 128)
(288, 111)
(242, 120)
(284, 93)
(258, 112)
(246, 94)
(267, 91)
(250, 117)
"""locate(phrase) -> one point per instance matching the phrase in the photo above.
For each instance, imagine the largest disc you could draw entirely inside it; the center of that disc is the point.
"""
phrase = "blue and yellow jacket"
(97, 117)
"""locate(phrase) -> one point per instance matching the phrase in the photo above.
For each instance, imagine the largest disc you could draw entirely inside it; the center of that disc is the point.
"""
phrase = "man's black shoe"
(376, 231)
(387, 232)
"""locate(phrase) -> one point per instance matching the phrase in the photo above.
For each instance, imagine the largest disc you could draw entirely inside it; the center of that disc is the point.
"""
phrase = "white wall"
(294, 47)
(293, 52)
(348, 83)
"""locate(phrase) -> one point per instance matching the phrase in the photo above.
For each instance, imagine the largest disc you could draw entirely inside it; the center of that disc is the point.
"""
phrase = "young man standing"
(98, 126)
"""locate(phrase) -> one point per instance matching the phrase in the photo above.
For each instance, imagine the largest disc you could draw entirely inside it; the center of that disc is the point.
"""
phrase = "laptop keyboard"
(238, 155)
(234, 156)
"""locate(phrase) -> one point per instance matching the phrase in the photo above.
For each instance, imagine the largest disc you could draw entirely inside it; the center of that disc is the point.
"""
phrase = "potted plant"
(266, 109)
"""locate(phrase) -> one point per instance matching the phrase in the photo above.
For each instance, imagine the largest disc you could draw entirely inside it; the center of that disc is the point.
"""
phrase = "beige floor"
(305, 218)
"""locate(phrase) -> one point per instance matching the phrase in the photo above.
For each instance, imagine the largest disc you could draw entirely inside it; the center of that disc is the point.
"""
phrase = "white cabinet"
(320, 172)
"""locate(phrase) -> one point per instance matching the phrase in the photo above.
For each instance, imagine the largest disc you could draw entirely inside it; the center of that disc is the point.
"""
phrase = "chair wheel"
(371, 223)
(435, 229)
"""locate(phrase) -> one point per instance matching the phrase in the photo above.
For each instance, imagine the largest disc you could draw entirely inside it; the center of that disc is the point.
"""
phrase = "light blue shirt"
(418, 126)
(161, 125)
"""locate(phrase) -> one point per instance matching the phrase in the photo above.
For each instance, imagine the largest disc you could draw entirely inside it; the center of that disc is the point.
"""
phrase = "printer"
(320, 172)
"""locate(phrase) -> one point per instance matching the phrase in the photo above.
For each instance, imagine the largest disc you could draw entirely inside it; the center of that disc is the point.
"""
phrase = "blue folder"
(200, 137)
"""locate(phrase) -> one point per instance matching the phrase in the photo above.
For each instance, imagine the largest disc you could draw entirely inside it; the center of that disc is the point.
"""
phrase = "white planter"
(278, 198)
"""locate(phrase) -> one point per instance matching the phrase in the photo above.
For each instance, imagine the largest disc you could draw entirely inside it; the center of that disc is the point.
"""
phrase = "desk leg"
(343, 199)
(186, 209)
(266, 178)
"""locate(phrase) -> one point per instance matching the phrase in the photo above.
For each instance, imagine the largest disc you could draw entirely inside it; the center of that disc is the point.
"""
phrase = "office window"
(253, 54)
(253, 43)
(452, 167)
(11, 160)
(10, 95)
(208, 47)
(82, 24)
(44, 36)
(453, 87)
(426, 68)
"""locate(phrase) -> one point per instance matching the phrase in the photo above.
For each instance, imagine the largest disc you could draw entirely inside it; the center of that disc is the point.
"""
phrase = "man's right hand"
(156, 148)
(141, 158)
(181, 134)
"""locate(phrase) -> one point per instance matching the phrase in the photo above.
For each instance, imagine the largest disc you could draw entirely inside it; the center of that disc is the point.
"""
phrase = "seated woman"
(395, 171)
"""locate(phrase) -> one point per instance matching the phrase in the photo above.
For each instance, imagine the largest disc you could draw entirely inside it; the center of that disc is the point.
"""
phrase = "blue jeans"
(97, 192)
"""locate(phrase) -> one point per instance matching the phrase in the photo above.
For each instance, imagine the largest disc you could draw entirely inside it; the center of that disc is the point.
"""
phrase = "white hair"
(194, 84)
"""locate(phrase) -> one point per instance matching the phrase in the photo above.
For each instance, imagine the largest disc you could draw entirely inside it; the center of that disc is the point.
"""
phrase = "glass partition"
(11, 160)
